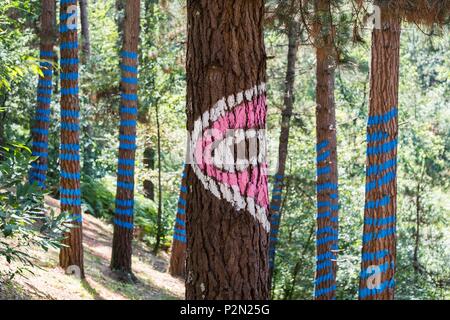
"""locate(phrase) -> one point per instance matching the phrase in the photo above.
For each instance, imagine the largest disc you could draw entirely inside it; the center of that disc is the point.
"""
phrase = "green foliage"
(23, 221)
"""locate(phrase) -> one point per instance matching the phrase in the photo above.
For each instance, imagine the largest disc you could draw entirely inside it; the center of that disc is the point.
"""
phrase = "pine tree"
(123, 220)
(41, 123)
(227, 212)
(70, 194)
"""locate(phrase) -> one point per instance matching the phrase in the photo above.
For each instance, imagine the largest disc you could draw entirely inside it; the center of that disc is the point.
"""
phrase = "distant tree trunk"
(86, 42)
(227, 213)
(41, 122)
(379, 239)
(149, 163)
(123, 221)
(159, 214)
(416, 264)
(275, 203)
(72, 255)
(3, 98)
(177, 266)
(327, 175)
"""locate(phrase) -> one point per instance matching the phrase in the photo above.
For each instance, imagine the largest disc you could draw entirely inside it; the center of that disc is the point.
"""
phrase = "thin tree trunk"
(70, 198)
(275, 203)
(159, 215)
(327, 174)
(227, 213)
(41, 122)
(86, 42)
(3, 98)
(178, 256)
(379, 239)
(123, 221)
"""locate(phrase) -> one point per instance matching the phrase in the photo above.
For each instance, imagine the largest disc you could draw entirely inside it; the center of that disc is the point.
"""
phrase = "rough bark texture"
(85, 37)
(41, 122)
(327, 175)
(177, 266)
(123, 221)
(227, 214)
(275, 203)
(379, 239)
(72, 255)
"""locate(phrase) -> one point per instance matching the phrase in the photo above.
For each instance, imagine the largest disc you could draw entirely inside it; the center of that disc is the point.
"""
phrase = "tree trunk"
(327, 174)
(86, 42)
(159, 215)
(123, 221)
(379, 239)
(275, 203)
(3, 98)
(72, 255)
(41, 122)
(177, 266)
(227, 213)
(416, 264)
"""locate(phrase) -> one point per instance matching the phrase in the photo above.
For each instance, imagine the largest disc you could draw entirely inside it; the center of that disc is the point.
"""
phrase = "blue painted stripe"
(323, 170)
(321, 145)
(277, 197)
(70, 126)
(376, 136)
(326, 256)
(184, 189)
(126, 162)
(130, 69)
(132, 110)
(322, 204)
(275, 207)
(70, 192)
(181, 211)
(321, 292)
(180, 231)
(128, 123)
(124, 212)
(70, 175)
(274, 231)
(45, 91)
(131, 138)
(128, 54)
(127, 146)
(323, 156)
(45, 64)
(180, 222)
(39, 144)
(62, 2)
(379, 221)
(47, 54)
(378, 168)
(45, 112)
(125, 185)
(38, 166)
(69, 91)
(70, 147)
(68, 45)
(70, 201)
(40, 154)
(70, 113)
(125, 203)
(326, 185)
(370, 256)
(325, 240)
(69, 157)
(378, 203)
(44, 100)
(123, 224)
(334, 196)
(69, 61)
(63, 28)
(40, 131)
(76, 218)
(363, 293)
(182, 202)
(387, 178)
(384, 118)
(179, 238)
(47, 73)
(367, 237)
(126, 173)
(38, 176)
(69, 76)
(130, 80)
(382, 148)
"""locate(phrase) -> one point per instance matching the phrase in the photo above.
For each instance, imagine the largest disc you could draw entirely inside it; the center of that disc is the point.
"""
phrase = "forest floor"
(50, 282)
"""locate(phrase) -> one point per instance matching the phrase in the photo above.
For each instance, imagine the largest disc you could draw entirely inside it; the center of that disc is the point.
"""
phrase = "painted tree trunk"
(41, 122)
(379, 239)
(327, 175)
(276, 202)
(70, 194)
(227, 212)
(123, 220)
(177, 266)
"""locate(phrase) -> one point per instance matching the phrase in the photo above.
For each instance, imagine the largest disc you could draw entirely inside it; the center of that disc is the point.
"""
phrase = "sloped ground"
(51, 283)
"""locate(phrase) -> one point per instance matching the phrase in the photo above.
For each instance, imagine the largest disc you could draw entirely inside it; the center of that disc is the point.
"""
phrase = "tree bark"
(70, 198)
(85, 37)
(3, 98)
(123, 221)
(227, 213)
(379, 239)
(159, 214)
(327, 174)
(275, 203)
(177, 266)
(41, 122)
